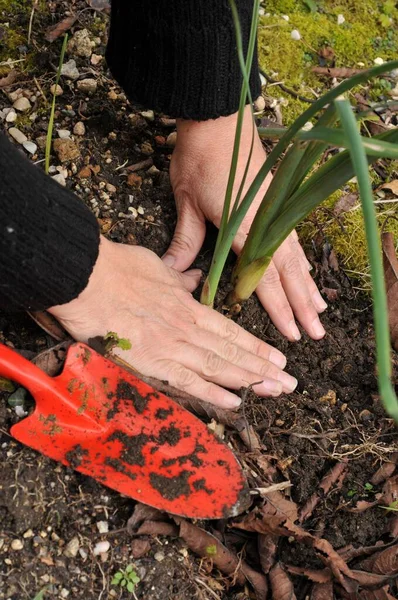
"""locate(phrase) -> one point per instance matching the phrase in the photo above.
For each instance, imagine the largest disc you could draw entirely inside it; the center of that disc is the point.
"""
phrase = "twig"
(286, 89)
(32, 14)
(277, 487)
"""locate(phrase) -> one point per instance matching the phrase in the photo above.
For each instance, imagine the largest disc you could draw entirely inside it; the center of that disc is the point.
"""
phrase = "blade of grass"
(51, 119)
(380, 310)
(337, 137)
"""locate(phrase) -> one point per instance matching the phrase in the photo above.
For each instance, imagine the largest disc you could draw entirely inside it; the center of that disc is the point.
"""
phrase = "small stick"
(276, 487)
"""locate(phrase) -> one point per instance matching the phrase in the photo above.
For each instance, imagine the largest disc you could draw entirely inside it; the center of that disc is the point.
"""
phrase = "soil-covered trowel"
(104, 422)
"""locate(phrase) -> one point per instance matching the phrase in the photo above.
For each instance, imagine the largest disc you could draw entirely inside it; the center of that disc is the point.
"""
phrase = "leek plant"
(298, 186)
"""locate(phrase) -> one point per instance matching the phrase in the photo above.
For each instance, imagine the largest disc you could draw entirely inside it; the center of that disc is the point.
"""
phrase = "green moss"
(360, 39)
(14, 22)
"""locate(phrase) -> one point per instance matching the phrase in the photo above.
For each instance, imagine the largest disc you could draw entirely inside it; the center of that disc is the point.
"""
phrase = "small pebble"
(11, 116)
(340, 19)
(30, 147)
(259, 104)
(96, 59)
(59, 178)
(286, 17)
(79, 128)
(111, 188)
(148, 114)
(146, 148)
(378, 61)
(159, 556)
(103, 526)
(101, 548)
(17, 135)
(22, 104)
(72, 547)
(141, 210)
(69, 70)
(64, 593)
(28, 534)
(56, 90)
(80, 44)
(112, 95)
(153, 170)
(16, 544)
(87, 86)
(172, 139)
(63, 133)
(295, 35)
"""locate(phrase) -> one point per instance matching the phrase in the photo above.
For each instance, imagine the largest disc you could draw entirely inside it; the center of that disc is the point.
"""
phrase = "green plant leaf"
(40, 595)
(52, 112)
(130, 586)
(336, 137)
(311, 4)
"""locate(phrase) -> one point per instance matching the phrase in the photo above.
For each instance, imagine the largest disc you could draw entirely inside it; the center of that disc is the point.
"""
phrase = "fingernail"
(317, 329)
(277, 358)
(168, 260)
(289, 383)
(309, 265)
(269, 386)
(294, 330)
(232, 401)
(319, 302)
(196, 273)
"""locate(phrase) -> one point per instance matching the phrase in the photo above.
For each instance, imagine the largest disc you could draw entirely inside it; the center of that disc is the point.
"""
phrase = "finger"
(188, 238)
(188, 381)
(297, 293)
(273, 298)
(212, 367)
(211, 321)
(315, 294)
(236, 356)
(191, 279)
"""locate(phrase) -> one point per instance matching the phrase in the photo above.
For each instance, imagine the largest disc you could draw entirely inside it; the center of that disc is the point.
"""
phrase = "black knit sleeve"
(179, 56)
(49, 239)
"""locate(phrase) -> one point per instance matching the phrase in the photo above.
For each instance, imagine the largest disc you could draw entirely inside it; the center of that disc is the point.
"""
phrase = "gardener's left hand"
(199, 172)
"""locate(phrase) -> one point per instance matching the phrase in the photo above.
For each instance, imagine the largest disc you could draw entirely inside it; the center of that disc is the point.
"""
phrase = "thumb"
(188, 238)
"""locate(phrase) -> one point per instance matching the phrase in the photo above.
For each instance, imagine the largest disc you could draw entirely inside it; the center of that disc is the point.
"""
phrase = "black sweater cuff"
(49, 239)
(180, 57)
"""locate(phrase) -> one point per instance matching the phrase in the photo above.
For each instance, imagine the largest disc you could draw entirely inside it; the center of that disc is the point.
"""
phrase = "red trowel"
(104, 422)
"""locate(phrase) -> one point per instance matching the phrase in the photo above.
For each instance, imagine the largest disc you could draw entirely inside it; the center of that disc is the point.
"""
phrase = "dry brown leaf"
(267, 546)
(370, 580)
(49, 324)
(139, 548)
(390, 491)
(339, 72)
(55, 31)
(386, 563)
(361, 506)
(157, 528)
(282, 587)
(381, 594)
(336, 474)
(390, 262)
(391, 186)
(9, 79)
(51, 361)
(206, 545)
(393, 526)
(348, 553)
(142, 513)
(383, 473)
(345, 203)
(317, 576)
(284, 505)
(257, 580)
(322, 591)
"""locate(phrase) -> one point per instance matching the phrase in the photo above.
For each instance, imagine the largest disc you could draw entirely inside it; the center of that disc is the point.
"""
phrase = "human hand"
(199, 172)
(173, 337)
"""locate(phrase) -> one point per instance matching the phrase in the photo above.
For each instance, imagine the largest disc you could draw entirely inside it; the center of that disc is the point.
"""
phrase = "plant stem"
(52, 113)
(380, 310)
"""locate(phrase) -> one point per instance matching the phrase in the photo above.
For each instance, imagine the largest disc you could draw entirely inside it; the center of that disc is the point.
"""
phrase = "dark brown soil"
(334, 416)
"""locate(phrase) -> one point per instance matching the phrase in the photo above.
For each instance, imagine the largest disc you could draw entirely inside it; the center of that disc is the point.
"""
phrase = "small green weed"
(112, 340)
(392, 507)
(126, 578)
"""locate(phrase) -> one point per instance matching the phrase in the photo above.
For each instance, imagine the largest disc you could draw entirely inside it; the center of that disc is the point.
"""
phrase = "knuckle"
(231, 331)
(213, 364)
(265, 370)
(182, 242)
(291, 266)
(271, 278)
(181, 377)
(230, 352)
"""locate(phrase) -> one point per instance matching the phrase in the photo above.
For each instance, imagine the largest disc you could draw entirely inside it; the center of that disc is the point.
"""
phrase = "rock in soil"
(66, 150)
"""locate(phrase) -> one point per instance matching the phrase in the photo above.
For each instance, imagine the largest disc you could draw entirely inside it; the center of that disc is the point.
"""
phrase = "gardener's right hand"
(173, 337)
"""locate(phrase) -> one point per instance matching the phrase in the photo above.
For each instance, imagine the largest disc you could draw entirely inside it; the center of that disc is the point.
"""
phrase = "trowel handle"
(17, 368)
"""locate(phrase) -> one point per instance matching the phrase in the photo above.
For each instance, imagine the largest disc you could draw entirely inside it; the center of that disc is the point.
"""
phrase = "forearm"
(180, 56)
(48, 238)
